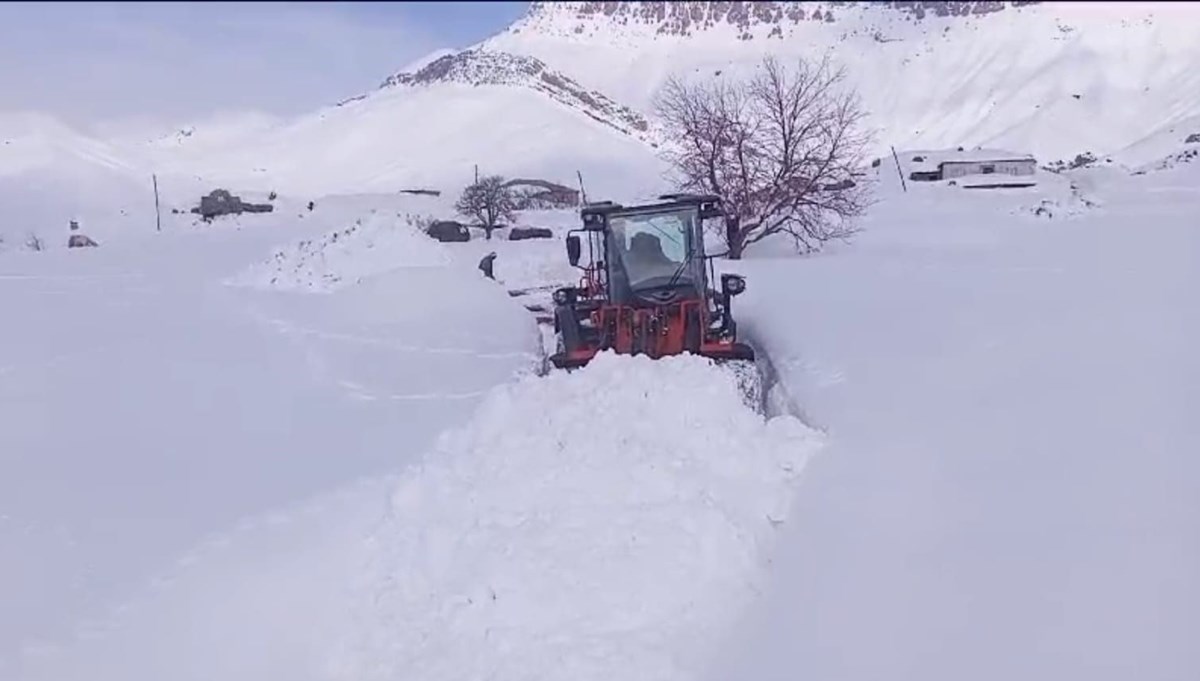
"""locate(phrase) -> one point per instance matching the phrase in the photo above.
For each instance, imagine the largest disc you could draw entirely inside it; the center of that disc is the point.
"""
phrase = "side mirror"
(732, 284)
(574, 249)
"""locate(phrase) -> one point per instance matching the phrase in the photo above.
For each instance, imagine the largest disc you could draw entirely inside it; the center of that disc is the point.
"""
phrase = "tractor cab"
(654, 255)
(645, 287)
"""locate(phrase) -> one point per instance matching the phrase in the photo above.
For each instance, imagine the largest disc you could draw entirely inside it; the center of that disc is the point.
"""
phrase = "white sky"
(116, 67)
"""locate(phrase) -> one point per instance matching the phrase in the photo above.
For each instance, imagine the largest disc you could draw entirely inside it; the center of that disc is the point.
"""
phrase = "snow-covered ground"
(147, 406)
(1011, 487)
(230, 496)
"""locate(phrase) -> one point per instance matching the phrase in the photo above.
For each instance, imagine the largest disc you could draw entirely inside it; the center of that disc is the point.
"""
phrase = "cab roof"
(665, 202)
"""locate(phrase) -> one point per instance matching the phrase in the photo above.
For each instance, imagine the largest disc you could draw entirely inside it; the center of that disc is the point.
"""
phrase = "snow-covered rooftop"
(930, 160)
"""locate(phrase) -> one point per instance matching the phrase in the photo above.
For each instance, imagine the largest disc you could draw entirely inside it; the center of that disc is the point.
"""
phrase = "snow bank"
(602, 524)
(531, 262)
(378, 244)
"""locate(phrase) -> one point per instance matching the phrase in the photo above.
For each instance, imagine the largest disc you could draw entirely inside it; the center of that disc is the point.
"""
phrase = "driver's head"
(644, 245)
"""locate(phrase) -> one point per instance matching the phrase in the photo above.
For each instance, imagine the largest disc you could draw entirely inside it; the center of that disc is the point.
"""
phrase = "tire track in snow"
(292, 329)
(319, 367)
(172, 580)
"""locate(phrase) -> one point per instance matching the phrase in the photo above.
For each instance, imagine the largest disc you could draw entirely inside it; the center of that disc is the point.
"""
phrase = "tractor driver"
(646, 258)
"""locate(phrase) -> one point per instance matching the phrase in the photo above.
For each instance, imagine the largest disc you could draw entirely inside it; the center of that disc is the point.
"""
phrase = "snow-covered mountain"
(1055, 79)
(506, 113)
(569, 87)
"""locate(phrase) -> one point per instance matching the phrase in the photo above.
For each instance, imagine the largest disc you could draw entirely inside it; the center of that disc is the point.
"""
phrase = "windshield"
(651, 245)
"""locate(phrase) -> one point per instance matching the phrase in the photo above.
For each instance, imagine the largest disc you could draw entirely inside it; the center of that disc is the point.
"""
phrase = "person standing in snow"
(485, 265)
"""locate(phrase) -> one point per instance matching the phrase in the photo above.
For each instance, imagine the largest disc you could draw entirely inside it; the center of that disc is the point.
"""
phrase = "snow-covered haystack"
(603, 524)
(380, 243)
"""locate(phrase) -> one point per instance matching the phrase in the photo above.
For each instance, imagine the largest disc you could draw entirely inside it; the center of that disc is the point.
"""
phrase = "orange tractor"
(646, 285)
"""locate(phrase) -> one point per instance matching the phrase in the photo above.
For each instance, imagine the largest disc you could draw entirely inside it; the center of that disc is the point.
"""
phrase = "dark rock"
(448, 231)
(522, 233)
(81, 241)
(1193, 138)
(686, 18)
(483, 67)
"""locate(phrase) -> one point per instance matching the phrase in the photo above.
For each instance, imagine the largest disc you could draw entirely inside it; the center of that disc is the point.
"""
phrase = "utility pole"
(476, 173)
(898, 171)
(582, 191)
(157, 213)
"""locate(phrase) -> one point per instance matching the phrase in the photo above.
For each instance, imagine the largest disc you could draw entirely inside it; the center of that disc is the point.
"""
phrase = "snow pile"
(379, 244)
(531, 262)
(601, 524)
(1073, 205)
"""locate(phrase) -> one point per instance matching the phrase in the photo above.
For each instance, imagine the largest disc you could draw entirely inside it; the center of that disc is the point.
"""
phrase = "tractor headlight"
(733, 284)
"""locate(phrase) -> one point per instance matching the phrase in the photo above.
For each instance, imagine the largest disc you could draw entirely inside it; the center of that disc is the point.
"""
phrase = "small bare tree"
(34, 242)
(779, 148)
(487, 201)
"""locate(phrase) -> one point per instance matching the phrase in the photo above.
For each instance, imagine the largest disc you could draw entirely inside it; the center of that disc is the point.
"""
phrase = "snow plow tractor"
(645, 287)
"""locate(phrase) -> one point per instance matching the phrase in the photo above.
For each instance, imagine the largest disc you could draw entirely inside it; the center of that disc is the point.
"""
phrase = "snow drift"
(369, 247)
(602, 524)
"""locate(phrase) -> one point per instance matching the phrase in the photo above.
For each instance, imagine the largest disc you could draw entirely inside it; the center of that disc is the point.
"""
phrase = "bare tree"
(779, 148)
(487, 201)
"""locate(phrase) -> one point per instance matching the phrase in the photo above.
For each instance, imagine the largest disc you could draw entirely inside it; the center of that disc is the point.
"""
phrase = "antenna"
(582, 191)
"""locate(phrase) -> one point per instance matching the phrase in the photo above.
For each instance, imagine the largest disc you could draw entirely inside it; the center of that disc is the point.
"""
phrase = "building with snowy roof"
(945, 165)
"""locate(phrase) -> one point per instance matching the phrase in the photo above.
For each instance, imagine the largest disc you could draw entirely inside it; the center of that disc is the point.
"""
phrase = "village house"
(934, 166)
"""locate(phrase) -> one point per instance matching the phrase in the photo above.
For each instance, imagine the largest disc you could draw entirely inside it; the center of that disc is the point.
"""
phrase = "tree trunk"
(734, 238)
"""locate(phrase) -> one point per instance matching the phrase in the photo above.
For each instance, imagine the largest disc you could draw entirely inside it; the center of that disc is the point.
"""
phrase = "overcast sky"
(107, 66)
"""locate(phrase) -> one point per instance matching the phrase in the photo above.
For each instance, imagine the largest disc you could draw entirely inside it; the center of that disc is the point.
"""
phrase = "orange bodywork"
(653, 331)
